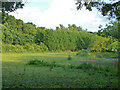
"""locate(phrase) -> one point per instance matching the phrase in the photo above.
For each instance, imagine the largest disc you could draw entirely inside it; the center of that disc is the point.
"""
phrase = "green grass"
(16, 74)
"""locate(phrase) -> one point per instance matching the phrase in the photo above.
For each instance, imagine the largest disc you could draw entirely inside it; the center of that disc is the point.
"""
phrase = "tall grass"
(83, 66)
(51, 70)
(95, 55)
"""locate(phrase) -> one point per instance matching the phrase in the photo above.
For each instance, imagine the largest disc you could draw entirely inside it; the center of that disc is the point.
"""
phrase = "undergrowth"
(83, 66)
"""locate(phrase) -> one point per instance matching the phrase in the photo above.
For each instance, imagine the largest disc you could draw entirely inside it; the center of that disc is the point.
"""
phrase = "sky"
(51, 13)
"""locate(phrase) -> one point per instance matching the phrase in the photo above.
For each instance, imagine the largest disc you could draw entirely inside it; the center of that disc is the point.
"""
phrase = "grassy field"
(16, 74)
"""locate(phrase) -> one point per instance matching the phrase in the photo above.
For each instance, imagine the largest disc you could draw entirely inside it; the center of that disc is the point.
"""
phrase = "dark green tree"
(8, 6)
(74, 27)
(111, 9)
(57, 28)
(15, 31)
(111, 29)
(62, 27)
(69, 27)
(79, 28)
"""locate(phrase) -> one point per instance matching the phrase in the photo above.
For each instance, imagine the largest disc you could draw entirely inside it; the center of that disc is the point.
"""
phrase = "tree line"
(19, 36)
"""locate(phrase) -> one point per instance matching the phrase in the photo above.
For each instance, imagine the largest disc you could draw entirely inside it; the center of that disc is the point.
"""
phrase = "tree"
(111, 9)
(107, 9)
(74, 27)
(69, 27)
(79, 28)
(8, 6)
(111, 30)
(57, 28)
(15, 31)
(62, 27)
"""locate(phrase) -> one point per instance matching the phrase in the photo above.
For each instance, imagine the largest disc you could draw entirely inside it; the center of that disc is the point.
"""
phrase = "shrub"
(71, 66)
(114, 45)
(86, 66)
(34, 47)
(29, 47)
(38, 62)
(83, 52)
(34, 62)
(12, 48)
(99, 43)
(53, 64)
(6, 48)
(43, 47)
(17, 48)
(69, 57)
(23, 48)
(43, 63)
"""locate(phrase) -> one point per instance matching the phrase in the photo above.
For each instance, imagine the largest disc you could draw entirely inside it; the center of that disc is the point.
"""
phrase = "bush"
(38, 62)
(34, 62)
(71, 66)
(23, 48)
(29, 47)
(43, 47)
(114, 46)
(69, 57)
(85, 66)
(6, 48)
(83, 52)
(43, 63)
(12, 48)
(99, 44)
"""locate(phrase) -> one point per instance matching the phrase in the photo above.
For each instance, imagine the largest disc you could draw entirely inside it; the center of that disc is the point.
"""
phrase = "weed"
(85, 66)
(71, 66)
(64, 67)
(69, 57)
(50, 68)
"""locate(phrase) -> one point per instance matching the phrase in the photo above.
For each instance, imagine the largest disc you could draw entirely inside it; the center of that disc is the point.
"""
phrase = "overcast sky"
(51, 13)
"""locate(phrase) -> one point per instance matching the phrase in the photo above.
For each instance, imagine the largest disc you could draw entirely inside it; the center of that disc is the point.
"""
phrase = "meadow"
(65, 57)
(62, 70)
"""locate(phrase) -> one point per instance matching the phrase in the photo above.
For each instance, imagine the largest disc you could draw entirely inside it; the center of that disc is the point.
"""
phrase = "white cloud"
(60, 12)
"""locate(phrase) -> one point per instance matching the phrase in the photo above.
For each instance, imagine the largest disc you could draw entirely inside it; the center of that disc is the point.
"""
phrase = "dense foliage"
(19, 36)
(111, 31)
(109, 8)
(8, 6)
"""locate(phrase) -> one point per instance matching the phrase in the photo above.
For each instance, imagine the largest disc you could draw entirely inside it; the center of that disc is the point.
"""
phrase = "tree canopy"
(111, 29)
(8, 6)
(25, 36)
(110, 9)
